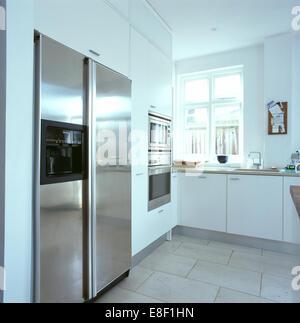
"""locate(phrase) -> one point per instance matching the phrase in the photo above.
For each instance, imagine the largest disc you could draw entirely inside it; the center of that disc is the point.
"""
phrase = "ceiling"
(238, 23)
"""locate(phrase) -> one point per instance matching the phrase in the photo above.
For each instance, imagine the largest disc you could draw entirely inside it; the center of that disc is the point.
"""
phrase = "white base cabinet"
(254, 206)
(291, 224)
(203, 201)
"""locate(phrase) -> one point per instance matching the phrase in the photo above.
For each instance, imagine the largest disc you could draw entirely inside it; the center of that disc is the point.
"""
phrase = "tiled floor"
(190, 270)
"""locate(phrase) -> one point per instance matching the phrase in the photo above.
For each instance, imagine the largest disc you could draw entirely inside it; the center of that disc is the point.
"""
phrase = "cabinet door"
(146, 22)
(139, 202)
(160, 82)
(84, 26)
(140, 99)
(255, 206)
(203, 202)
(121, 5)
(291, 219)
(174, 201)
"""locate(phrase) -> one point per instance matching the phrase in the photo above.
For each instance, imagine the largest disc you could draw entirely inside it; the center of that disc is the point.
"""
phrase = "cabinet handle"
(94, 53)
(234, 179)
(161, 211)
(202, 177)
(153, 107)
(140, 174)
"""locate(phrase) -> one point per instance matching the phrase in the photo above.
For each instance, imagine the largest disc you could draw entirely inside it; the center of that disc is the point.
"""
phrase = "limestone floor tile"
(293, 259)
(265, 264)
(168, 263)
(181, 238)
(205, 253)
(137, 276)
(279, 289)
(231, 296)
(229, 277)
(172, 289)
(235, 247)
(170, 246)
(118, 295)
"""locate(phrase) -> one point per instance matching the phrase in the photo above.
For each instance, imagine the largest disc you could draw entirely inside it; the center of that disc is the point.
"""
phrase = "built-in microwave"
(159, 187)
(159, 133)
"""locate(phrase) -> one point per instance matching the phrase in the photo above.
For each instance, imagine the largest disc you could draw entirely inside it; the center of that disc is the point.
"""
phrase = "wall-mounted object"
(278, 118)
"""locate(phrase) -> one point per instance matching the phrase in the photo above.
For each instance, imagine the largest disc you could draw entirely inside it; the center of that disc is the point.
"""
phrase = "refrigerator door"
(112, 171)
(60, 215)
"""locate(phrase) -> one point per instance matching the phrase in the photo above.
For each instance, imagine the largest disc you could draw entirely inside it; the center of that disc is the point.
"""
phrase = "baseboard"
(139, 257)
(277, 246)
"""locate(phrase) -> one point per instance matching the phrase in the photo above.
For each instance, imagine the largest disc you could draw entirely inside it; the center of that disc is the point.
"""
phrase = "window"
(211, 110)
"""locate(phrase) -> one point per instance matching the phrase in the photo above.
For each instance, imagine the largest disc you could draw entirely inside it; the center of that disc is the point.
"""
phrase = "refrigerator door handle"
(91, 225)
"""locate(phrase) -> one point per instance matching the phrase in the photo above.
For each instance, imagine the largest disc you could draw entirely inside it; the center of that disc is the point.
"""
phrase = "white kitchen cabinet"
(203, 201)
(254, 206)
(121, 5)
(160, 82)
(174, 200)
(85, 26)
(291, 225)
(139, 208)
(140, 99)
(146, 21)
(158, 223)
(151, 73)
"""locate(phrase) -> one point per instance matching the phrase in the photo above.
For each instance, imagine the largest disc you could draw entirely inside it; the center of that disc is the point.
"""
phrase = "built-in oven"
(159, 133)
(159, 186)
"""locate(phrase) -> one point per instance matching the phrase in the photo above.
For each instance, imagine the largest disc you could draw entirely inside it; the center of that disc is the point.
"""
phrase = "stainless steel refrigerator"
(83, 175)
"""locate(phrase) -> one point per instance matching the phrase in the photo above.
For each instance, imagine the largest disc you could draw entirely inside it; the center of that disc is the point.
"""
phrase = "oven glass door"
(159, 185)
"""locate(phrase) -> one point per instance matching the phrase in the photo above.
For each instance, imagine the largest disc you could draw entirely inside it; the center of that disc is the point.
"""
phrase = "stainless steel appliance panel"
(61, 218)
(112, 114)
(61, 214)
(63, 90)
(159, 133)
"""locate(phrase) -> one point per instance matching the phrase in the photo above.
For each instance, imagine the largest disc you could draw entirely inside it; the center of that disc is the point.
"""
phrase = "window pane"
(196, 118)
(227, 124)
(197, 91)
(196, 142)
(228, 87)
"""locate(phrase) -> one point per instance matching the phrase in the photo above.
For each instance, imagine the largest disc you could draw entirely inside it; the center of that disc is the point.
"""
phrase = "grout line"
(218, 293)
(229, 260)
(153, 272)
(261, 279)
(195, 264)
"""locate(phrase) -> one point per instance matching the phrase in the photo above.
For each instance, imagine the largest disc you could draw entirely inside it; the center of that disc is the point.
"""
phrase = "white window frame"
(182, 106)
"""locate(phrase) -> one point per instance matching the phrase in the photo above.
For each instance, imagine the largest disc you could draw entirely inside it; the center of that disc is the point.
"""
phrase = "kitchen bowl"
(222, 159)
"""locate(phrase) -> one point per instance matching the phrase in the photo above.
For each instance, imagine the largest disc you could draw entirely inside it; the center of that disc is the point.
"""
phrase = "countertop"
(235, 171)
(295, 192)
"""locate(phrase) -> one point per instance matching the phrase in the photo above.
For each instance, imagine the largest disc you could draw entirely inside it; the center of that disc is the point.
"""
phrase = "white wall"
(252, 60)
(2, 139)
(19, 151)
(282, 83)
(278, 87)
(295, 123)
(271, 72)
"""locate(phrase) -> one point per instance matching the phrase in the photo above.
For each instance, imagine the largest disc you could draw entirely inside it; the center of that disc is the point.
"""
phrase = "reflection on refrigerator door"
(113, 176)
